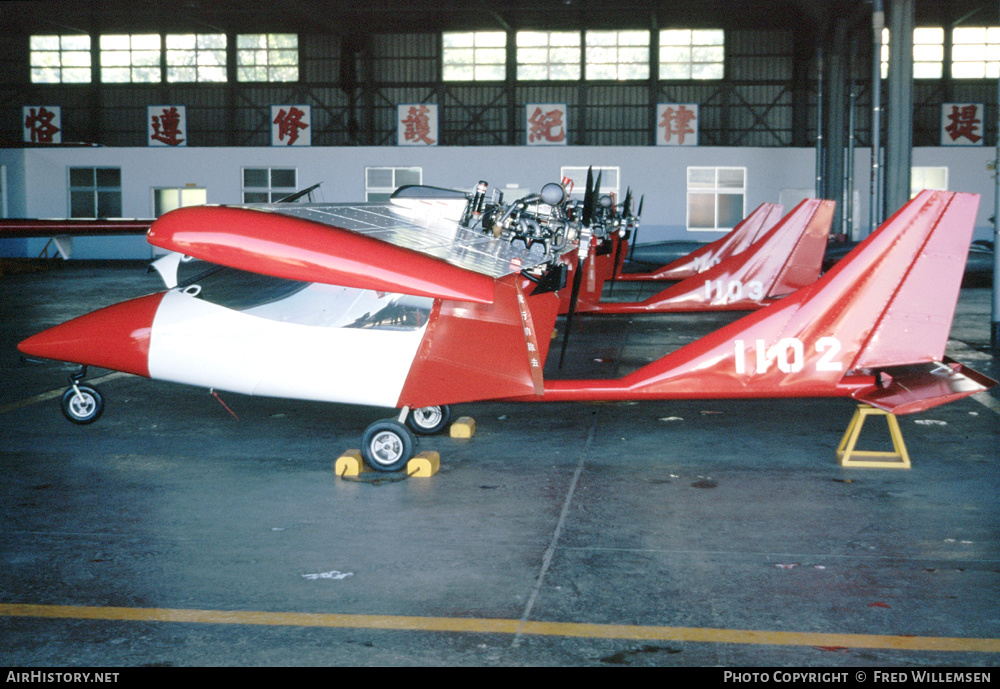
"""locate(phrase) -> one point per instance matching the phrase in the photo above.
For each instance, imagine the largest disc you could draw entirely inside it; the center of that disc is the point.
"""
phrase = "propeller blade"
(291, 198)
(627, 205)
(588, 198)
(618, 258)
(577, 277)
(635, 234)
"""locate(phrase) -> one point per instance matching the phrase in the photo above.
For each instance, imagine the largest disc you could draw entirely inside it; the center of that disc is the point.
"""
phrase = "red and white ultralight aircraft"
(409, 305)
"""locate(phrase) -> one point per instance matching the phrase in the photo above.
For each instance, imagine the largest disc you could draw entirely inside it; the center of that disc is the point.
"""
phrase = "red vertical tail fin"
(788, 256)
(746, 232)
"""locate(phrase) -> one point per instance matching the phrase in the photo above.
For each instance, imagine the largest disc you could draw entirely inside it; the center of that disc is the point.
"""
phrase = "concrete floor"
(707, 533)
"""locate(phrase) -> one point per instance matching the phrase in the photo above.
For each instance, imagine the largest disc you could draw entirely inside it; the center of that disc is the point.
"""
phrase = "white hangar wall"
(37, 179)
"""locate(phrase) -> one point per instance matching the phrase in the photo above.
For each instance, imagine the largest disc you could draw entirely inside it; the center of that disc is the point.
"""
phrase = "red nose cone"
(116, 337)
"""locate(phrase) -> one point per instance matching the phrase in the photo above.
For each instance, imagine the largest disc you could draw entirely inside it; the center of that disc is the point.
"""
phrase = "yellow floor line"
(52, 394)
(502, 626)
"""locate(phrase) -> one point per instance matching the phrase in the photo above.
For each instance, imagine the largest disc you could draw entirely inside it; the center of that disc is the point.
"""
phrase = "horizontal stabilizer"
(910, 389)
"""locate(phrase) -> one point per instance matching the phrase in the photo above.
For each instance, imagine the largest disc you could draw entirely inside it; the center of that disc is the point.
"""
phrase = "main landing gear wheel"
(387, 445)
(82, 404)
(429, 420)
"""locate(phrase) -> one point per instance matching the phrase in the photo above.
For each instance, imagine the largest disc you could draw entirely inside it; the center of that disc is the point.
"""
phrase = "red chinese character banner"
(546, 124)
(417, 124)
(290, 125)
(677, 124)
(42, 124)
(166, 125)
(962, 124)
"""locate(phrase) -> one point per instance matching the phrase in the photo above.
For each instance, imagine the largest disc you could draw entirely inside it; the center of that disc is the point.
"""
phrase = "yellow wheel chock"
(846, 452)
(349, 464)
(424, 465)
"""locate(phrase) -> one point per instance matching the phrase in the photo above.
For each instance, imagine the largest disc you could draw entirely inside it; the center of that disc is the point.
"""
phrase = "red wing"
(367, 246)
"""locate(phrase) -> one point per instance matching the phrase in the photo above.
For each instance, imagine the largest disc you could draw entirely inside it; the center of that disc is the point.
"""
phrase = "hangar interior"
(194, 529)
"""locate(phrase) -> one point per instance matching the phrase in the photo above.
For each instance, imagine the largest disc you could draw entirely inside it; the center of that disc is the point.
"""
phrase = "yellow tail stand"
(846, 452)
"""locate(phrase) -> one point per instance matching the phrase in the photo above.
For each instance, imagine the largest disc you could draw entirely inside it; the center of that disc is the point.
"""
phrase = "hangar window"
(617, 55)
(267, 57)
(975, 52)
(715, 197)
(928, 178)
(130, 59)
(196, 57)
(609, 179)
(692, 53)
(268, 184)
(928, 52)
(168, 199)
(381, 182)
(60, 59)
(474, 56)
(95, 192)
(548, 55)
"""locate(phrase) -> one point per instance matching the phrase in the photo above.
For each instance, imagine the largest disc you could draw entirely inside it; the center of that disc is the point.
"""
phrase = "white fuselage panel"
(204, 344)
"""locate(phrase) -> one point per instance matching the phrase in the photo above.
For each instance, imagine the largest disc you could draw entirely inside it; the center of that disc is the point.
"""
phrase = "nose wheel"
(82, 404)
(387, 445)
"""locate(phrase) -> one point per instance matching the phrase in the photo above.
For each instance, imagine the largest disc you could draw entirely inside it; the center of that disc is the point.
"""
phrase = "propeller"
(626, 210)
(635, 234)
(589, 205)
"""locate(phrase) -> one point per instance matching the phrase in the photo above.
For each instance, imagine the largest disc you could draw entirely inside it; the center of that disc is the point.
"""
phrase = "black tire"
(429, 420)
(387, 445)
(82, 408)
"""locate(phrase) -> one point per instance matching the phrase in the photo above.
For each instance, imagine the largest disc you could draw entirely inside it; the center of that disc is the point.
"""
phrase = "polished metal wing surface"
(427, 226)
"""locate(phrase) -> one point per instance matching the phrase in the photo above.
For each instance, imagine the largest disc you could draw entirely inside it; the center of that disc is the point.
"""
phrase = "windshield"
(305, 303)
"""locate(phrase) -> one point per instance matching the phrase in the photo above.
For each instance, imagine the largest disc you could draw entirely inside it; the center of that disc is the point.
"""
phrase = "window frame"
(200, 54)
(692, 46)
(96, 189)
(180, 203)
(525, 51)
(140, 71)
(919, 65)
(716, 191)
(578, 174)
(273, 192)
(64, 57)
(480, 46)
(990, 59)
(920, 170)
(382, 192)
(269, 70)
(594, 48)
